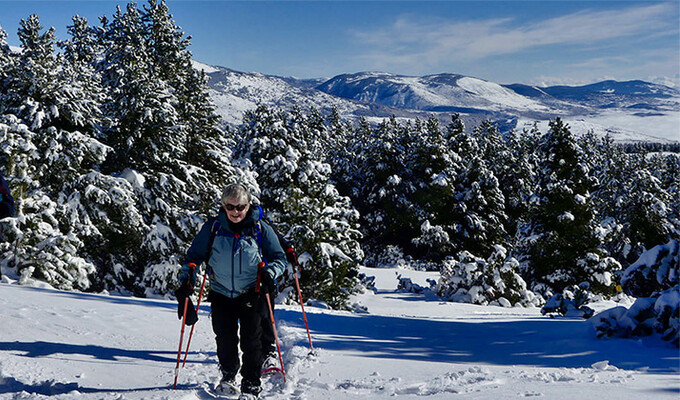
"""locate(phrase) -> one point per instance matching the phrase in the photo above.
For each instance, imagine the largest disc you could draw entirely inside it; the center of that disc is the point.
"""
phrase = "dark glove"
(185, 290)
(267, 284)
(291, 256)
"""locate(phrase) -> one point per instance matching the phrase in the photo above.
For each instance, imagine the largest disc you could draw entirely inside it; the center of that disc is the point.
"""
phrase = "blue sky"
(536, 42)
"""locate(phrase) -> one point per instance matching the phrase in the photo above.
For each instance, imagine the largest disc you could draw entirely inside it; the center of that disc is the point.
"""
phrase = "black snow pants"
(226, 315)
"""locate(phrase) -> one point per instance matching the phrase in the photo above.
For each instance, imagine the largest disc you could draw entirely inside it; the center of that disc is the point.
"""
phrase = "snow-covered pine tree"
(134, 214)
(168, 46)
(345, 152)
(44, 160)
(510, 158)
(384, 195)
(496, 280)
(610, 170)
(147, 71)
(562, 225)
(7, 60)
(432, 172)
(645, 211)
(670, 181)
(145, 134)
(32, 83)
(85, 91)
(483, 224)
(479, 202)
(301, 200)
(653, 279)
(206, 146)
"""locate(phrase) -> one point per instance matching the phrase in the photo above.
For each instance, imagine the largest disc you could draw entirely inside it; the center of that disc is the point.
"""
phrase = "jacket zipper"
(233, 258)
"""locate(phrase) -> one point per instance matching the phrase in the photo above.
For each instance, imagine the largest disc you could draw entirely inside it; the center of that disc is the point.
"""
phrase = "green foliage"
(563, 215)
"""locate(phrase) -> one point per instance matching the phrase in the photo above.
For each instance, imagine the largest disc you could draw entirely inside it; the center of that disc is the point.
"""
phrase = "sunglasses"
(231, 207)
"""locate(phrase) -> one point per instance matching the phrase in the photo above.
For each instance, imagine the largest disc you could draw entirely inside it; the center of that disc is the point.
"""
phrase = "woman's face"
(236, 210)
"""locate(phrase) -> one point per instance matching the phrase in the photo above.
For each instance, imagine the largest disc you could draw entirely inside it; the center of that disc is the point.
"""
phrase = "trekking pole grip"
(260, 269)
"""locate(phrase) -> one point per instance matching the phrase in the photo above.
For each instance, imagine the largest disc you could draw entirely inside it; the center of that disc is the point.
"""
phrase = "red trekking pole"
(181, 336)
(260, 270)
(198, 304)
(276, 336)
(296, 267)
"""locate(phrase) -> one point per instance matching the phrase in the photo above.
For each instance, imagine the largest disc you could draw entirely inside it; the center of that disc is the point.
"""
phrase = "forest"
(115, 156)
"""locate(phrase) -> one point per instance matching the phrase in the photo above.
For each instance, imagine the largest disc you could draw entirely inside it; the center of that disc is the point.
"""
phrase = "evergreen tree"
(39, 242)
(433, 171)
(480, 205)
(645, 211)
(32, 84)
(63, 116)
(496, 280)
(344, 153)
(563, 216)
(84, 92)
(384, 197)
(7, 60)
(302, 201)
(483, 224)
(165, 139)
(510, 160)
(146, 133)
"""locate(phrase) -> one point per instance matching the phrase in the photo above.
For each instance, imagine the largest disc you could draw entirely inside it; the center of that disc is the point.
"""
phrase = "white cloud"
(411, 42)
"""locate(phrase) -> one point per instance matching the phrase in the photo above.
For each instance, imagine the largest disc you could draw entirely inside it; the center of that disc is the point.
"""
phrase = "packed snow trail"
(64, 345)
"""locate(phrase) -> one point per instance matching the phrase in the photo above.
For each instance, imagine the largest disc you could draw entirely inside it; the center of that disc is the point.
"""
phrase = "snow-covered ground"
(77, 346)
(620, 125)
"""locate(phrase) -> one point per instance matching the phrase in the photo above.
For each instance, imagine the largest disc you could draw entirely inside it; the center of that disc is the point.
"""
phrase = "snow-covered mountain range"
(629, 111)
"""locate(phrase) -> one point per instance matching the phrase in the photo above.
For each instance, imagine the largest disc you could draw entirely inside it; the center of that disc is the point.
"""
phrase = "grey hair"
(238, 192)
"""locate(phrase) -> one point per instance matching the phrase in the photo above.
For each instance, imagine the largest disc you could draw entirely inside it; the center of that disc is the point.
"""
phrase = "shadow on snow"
(540, 342)
(50, 349)
(53, 388)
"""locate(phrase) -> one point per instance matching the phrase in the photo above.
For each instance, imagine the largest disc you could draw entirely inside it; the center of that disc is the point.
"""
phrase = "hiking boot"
(227, 386)
(249, 390)
(271, 361)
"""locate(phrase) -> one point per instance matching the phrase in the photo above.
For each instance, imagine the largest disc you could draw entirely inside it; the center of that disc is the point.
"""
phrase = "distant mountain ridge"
(379, 95)
(441, 92)
(607, 94)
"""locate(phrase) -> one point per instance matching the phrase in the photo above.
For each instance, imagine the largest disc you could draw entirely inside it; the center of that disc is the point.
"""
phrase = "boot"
(270, 361)
(249, 391)
(227, 386)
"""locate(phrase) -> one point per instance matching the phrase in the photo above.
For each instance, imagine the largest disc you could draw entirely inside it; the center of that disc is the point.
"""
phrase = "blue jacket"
(232, 267)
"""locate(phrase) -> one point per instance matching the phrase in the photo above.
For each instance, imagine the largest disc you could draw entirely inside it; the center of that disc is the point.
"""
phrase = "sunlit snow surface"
(62, 345)
(621, 126)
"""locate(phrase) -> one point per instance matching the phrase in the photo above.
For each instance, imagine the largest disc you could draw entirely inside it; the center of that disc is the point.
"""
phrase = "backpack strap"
(213, 232)
(257, 233)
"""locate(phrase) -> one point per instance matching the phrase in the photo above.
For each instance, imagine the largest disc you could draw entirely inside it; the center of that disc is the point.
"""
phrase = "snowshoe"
(270, 362)
(272, 371)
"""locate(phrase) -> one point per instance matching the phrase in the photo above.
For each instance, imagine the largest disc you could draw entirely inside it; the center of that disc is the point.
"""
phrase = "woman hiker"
(241, 241)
